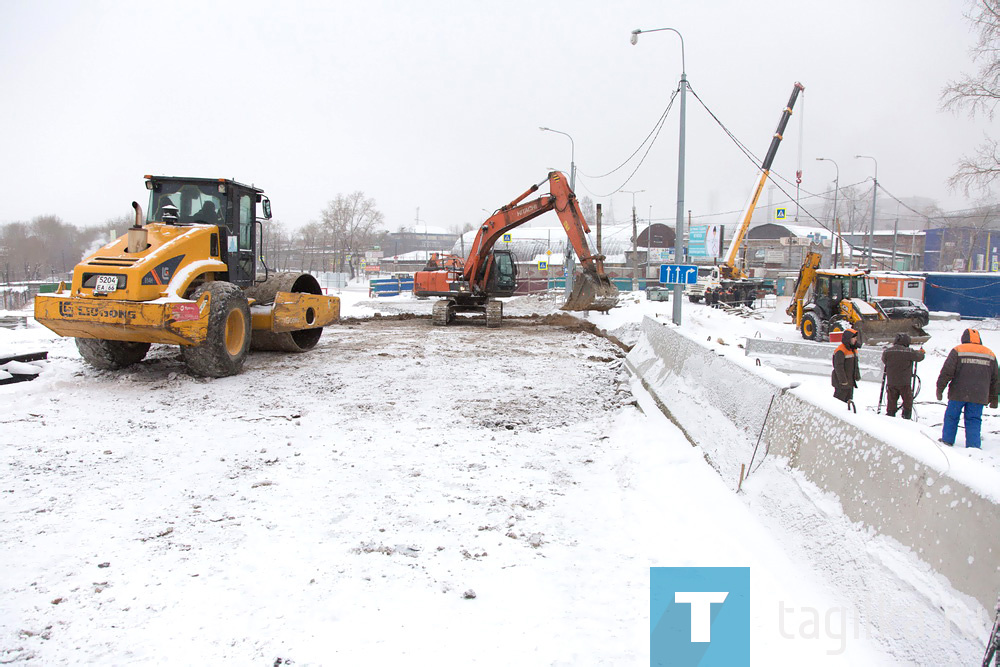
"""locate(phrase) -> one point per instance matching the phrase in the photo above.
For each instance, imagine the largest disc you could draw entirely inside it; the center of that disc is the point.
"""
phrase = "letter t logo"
(701, 612)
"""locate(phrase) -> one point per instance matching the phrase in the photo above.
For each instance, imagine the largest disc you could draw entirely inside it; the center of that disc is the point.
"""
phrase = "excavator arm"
(594, 292)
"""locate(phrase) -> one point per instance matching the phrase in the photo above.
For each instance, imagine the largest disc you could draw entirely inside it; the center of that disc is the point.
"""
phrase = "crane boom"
(729, 270)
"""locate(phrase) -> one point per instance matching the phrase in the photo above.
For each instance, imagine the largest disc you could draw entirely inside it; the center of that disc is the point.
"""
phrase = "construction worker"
(846, 368)
(898, 360)
(971, 372)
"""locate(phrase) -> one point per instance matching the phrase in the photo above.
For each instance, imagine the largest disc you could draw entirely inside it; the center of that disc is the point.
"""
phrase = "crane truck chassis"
(475, 283)
(187, 276)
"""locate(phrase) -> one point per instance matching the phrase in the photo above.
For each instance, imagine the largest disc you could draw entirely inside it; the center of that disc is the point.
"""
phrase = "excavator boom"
(477, 285)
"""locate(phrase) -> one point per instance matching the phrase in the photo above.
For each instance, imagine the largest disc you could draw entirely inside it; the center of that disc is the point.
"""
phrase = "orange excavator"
(475, 284)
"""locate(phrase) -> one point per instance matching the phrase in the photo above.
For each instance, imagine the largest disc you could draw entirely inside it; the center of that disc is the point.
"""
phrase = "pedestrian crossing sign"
(543, 265)
(780, 214)
(506, 238)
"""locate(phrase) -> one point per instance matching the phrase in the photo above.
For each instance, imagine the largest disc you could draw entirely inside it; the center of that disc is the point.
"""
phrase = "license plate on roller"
(106, 284)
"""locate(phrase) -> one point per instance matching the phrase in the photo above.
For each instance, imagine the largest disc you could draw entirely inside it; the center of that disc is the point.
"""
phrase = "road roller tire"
(109, 355)
(225, 349)
(263, 294)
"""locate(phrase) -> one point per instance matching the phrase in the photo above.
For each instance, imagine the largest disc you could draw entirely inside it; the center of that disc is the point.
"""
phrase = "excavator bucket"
(885, 331)
(592, 292)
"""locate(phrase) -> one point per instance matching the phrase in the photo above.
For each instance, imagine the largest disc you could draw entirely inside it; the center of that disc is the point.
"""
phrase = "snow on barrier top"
(887, 474)
(811, 357)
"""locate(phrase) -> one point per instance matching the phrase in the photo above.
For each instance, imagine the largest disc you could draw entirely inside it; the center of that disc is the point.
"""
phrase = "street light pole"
(635, 241)
(572, 156)
(836, 190)
(871, 230)
(568, 261)
(679, 225)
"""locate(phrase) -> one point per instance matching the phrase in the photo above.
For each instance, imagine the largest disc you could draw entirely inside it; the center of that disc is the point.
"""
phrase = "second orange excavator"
(475, 284)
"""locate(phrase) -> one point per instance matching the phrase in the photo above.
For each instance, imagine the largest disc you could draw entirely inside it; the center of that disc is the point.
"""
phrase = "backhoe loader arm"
(807, 276)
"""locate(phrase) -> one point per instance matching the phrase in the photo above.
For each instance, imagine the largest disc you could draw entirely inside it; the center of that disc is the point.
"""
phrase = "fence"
(390, 286)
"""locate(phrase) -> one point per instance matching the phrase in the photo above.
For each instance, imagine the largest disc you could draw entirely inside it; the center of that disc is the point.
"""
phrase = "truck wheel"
(109, 355)
(693, 299)
(225, 349)
(494, 314)
(810, 326)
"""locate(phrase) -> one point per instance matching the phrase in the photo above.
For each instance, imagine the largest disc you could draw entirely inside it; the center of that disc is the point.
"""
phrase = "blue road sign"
(683, 274)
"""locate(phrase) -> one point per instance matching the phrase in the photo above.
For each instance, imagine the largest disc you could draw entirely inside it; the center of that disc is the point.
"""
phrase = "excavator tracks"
(442, 313)
(494, 314)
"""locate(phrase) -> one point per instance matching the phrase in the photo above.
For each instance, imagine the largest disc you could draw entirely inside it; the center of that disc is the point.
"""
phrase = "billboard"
(705, 241)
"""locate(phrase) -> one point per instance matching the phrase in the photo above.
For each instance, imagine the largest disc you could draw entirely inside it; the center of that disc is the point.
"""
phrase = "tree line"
(47, 248)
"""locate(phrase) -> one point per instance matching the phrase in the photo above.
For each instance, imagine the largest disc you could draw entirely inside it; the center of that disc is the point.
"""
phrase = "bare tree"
(589, 210)
(979, 94)
(351, 223)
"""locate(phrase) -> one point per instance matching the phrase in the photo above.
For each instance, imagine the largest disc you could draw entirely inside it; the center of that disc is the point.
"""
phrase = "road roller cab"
(188, 274)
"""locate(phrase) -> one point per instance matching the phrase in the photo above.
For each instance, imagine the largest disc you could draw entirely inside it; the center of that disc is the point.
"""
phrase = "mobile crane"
(475, 284)
(728, 277)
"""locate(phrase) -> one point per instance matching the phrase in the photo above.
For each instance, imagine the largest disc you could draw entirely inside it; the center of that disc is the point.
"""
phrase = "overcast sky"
(437, 104)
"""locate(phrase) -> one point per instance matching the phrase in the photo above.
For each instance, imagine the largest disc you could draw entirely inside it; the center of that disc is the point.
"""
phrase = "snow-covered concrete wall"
(951, 523)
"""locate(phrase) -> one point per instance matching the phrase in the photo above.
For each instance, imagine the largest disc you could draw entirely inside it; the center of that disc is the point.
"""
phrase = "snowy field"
(447, 496)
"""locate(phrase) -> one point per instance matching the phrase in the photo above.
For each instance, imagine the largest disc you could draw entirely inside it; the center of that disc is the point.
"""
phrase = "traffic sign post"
(678, 274)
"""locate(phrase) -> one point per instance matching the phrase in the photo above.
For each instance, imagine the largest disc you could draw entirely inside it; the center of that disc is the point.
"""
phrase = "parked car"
(896, 307)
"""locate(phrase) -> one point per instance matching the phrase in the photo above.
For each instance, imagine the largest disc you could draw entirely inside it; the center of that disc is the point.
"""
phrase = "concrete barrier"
(947, 514)
(811, 357)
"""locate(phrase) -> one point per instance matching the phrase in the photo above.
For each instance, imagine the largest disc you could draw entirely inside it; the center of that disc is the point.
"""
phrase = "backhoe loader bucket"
(592, 292)
(885, 331)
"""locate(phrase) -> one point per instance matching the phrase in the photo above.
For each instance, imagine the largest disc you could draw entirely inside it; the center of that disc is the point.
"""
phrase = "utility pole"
(635, 240)
(895, 231)
(600, 214)
(871, 230)
(635, 251)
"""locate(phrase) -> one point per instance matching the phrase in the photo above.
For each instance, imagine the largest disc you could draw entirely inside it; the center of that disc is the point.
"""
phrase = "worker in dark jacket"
(846, 369)
(898, 360)
(971, 372)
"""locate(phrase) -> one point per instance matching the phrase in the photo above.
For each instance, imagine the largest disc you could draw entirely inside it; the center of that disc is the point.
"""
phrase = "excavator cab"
(502, 274)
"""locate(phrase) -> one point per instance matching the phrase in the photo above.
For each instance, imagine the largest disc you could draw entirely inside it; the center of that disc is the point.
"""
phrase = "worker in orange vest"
(971, 372)
(846, 368)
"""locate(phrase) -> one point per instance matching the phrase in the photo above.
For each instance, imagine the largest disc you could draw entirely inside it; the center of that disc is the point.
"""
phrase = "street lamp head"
(635, 37)
(543, 129)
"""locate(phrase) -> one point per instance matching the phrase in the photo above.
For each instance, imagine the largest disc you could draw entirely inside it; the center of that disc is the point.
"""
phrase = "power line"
(655, 130)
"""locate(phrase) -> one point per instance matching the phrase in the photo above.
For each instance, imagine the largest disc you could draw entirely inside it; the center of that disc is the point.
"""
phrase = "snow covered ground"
(345, 505)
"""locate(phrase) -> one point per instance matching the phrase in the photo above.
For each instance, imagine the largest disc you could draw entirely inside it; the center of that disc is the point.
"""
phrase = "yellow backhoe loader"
(830, 300)
(187, 275)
